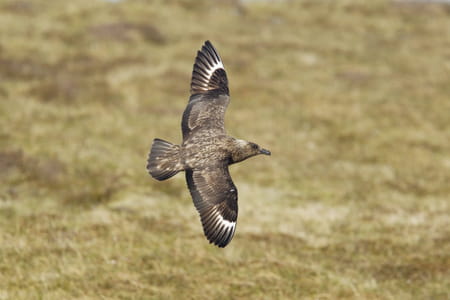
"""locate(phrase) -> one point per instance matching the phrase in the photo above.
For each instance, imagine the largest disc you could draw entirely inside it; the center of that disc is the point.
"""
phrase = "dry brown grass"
(352, 99)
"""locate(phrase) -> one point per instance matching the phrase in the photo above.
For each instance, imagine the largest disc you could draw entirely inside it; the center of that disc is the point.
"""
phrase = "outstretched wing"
(209, 94)
(215, 197)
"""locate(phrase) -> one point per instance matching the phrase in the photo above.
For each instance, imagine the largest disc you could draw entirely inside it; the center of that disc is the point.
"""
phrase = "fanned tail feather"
(164, 160)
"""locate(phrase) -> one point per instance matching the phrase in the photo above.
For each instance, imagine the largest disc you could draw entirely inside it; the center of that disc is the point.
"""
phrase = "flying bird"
(206, 151)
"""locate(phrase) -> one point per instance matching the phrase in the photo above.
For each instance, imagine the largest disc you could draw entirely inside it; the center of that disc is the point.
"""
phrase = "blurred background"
(351, 97)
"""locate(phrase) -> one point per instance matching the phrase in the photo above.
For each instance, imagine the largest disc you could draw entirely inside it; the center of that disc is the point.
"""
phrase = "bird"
(206, 150)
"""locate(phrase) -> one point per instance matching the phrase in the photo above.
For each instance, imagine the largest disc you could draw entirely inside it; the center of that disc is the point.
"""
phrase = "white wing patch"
(223, 229)
(211, 69)
(227, 224)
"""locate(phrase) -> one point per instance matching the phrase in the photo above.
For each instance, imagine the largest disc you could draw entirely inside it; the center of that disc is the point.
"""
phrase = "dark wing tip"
(208, 72)
(218, 230)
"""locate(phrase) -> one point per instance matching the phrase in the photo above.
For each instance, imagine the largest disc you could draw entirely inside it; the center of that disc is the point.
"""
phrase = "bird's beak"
(264, 151)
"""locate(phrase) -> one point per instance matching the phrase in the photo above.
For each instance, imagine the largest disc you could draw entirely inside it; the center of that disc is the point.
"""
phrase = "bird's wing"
(209, 73)
(209, 94)
(215, 197)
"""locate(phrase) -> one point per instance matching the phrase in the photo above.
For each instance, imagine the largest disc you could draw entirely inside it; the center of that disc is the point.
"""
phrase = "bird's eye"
(254, 146)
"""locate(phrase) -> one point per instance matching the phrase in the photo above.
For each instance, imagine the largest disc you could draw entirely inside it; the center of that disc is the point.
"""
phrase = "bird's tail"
(164, 160)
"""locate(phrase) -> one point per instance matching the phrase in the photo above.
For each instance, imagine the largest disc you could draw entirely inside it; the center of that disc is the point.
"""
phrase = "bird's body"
(199, 152)
(206, 150)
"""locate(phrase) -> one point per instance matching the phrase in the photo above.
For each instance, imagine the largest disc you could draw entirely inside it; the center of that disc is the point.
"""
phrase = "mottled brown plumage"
(206, 150)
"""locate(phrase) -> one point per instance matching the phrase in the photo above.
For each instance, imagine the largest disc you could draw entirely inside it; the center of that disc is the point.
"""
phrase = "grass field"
(351, 97)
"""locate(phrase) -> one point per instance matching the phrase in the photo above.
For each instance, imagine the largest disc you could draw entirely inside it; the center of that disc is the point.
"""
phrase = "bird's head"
(244, 150)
